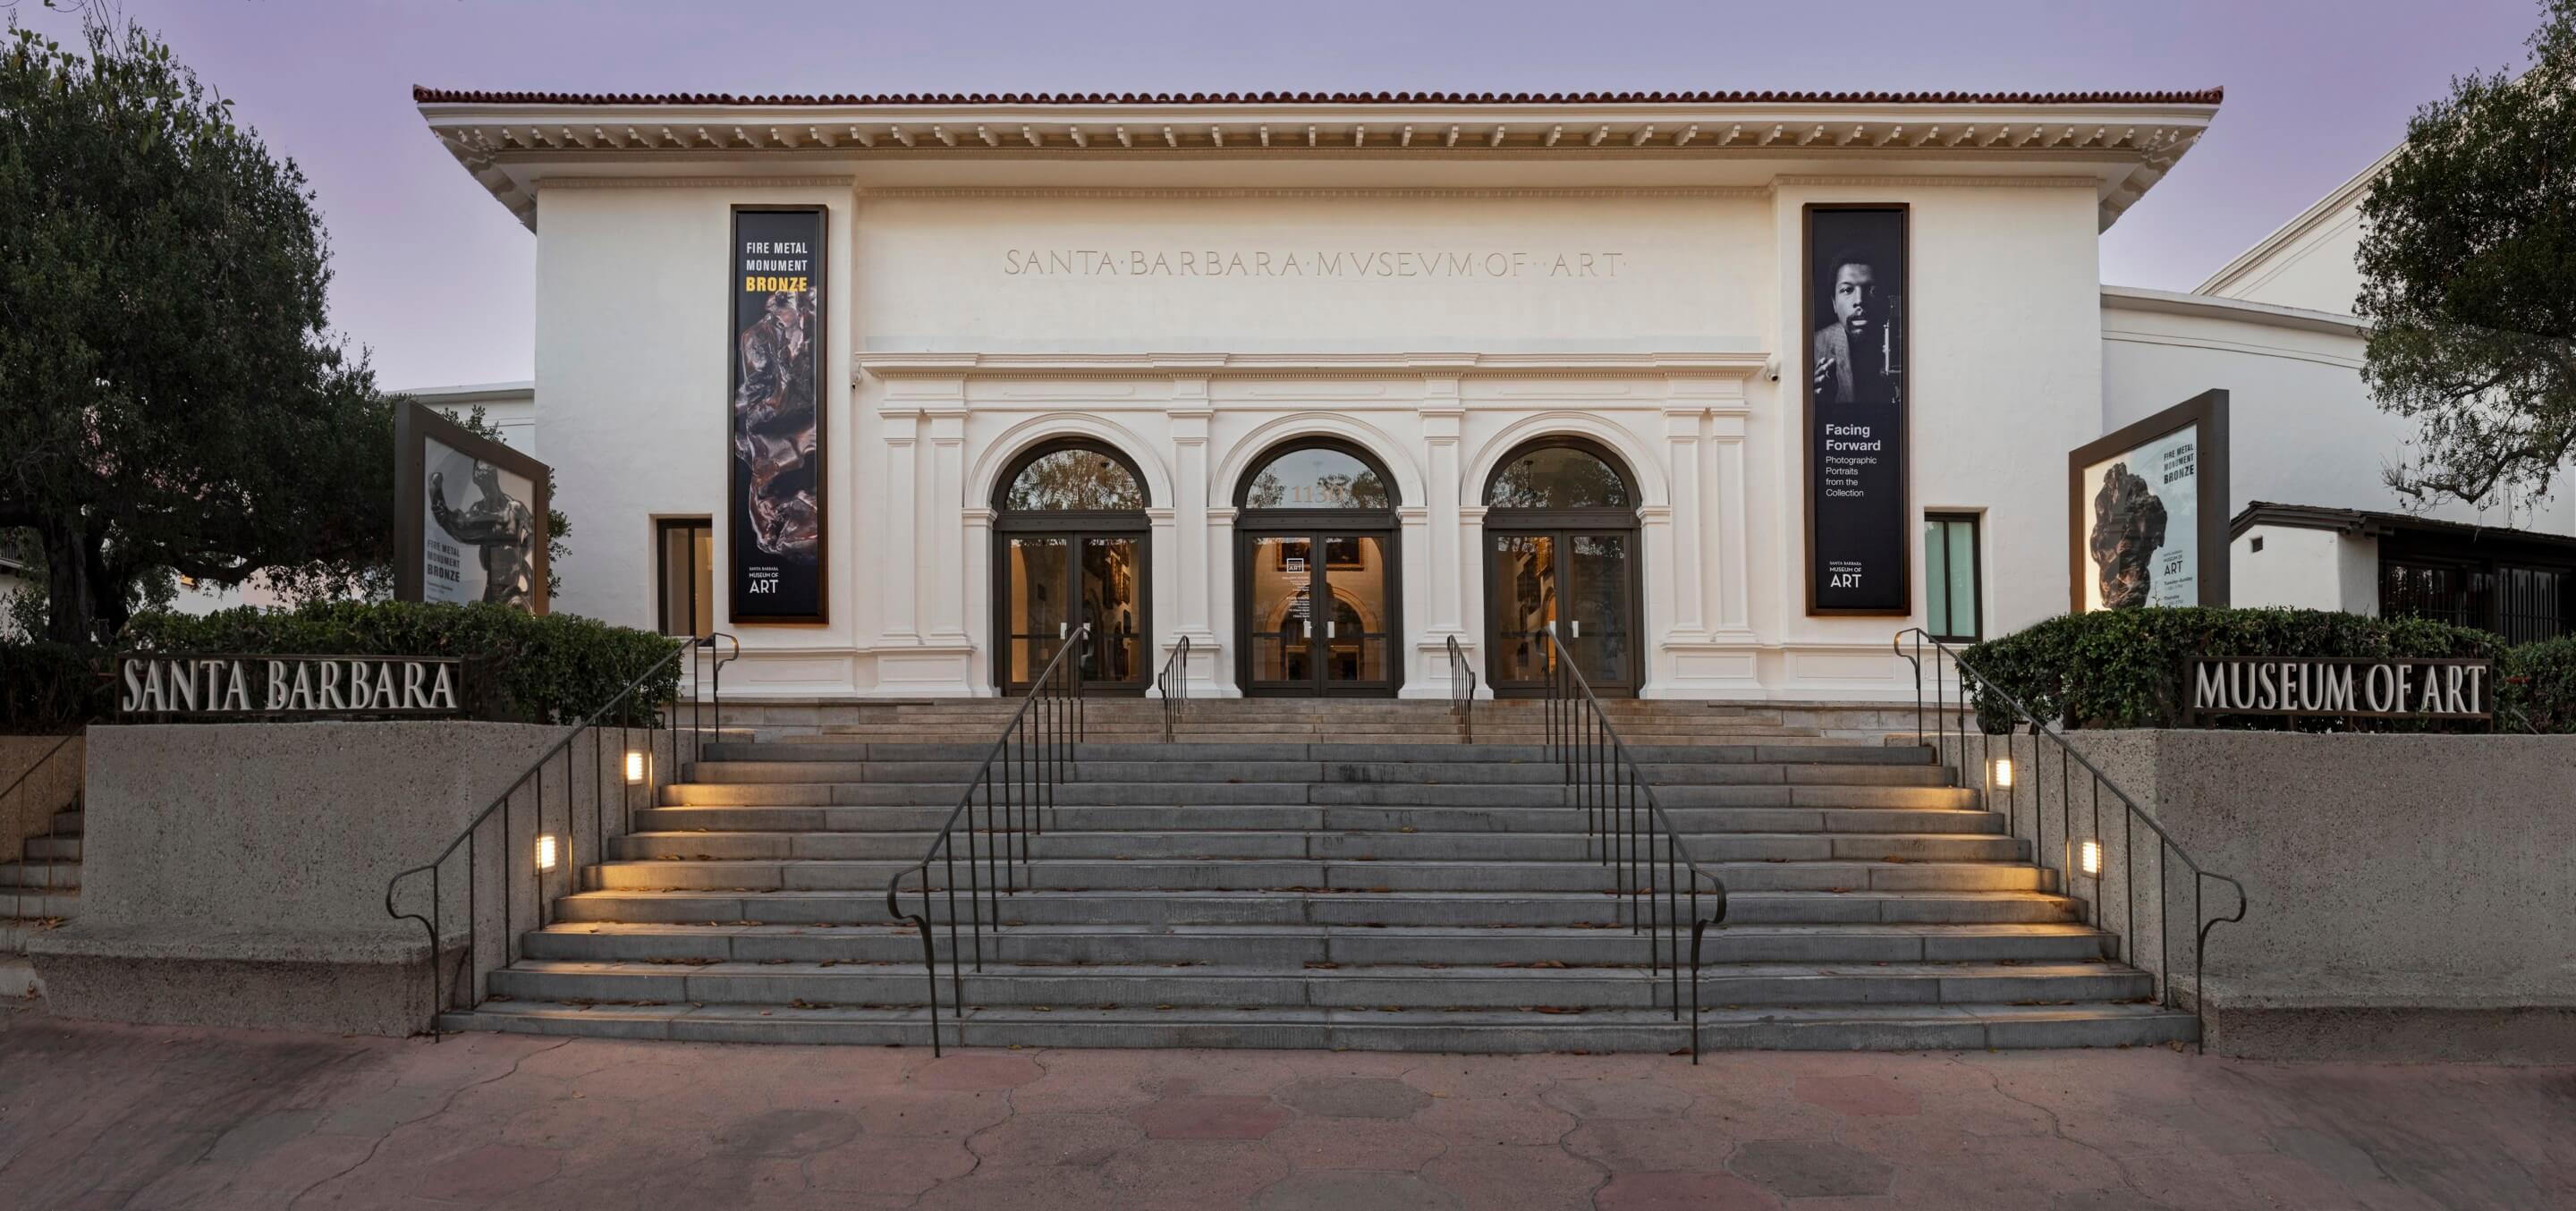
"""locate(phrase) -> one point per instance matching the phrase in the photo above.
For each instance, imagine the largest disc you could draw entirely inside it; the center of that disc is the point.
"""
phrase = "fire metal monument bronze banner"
(1859, 540)
(774, 542)
(2147, 507)
(470, 515)
(2350, 687)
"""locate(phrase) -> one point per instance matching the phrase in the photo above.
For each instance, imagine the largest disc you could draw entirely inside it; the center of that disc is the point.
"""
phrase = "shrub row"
(2123, 668)
(554, 669)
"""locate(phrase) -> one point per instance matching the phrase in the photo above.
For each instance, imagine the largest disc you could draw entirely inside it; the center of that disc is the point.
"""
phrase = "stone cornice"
(899, 366)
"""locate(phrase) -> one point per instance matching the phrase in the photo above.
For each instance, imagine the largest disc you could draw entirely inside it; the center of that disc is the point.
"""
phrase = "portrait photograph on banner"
(1859, 548)
(775, 418)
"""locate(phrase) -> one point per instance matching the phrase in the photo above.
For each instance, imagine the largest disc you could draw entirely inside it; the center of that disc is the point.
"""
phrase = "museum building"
(1727, 387)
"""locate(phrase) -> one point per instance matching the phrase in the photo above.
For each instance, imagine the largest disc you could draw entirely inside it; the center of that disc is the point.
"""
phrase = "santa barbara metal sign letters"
(273, 687)
(2348, 687)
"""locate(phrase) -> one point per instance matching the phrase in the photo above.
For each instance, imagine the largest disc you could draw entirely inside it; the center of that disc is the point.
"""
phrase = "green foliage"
(2468, 261)
(171, 399)
(554, 669)
(2539, 680)
(2123, 668)
(52, 687)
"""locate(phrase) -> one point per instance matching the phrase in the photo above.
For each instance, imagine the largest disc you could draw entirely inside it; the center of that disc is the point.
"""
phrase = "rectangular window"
(1953, 578)
(685, 576)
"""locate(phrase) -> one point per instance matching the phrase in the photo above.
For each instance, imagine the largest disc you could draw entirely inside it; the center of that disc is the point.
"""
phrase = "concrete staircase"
(37, 891)
(1381, 889)
(1321, 721)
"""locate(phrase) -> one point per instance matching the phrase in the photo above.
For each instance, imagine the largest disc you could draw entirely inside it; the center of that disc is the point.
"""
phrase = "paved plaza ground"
(96, 1116)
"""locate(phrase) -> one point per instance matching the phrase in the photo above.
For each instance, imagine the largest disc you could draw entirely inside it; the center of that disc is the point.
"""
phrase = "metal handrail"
(1462, 690)
(703, 692)
(1173, 683)
(17, 816)
(1028, 777)
(1986, 690)
(1608, 783)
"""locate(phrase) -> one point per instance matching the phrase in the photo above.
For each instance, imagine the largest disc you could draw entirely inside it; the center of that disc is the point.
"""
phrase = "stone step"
(1232, 844)
(54, 849)
(1001, 983)
(45, 875)
(1691, 821)
(1293, 946)
(1017, 762)
(948, 748)
(1129, 794)
(1968, 1027)
(1408, 875)
(67, 824)
(1488, 909)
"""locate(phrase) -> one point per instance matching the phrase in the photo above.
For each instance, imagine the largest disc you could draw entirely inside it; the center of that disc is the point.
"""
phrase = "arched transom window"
(1081, 477)
(1318, 477)
(1558, 476)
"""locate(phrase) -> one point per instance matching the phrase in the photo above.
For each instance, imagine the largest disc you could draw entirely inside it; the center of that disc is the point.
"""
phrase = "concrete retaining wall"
(235, 874)
(2412, 896)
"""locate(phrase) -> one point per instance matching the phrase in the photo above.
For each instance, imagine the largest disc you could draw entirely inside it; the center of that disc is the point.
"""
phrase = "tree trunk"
(70, 598)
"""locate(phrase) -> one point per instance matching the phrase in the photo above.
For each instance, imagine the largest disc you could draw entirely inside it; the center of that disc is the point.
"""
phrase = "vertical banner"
(2147, 507)
(775, 539)
(1859, 542)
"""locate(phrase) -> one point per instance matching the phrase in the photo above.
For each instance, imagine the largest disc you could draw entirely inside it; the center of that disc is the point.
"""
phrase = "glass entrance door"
(1584, 582)
(1054, 582)
(1319, 618)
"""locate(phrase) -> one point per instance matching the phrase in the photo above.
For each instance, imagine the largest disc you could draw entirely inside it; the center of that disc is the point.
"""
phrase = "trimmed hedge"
(52, 687)
(2539, 680)
(2123, 668)
(554, 669)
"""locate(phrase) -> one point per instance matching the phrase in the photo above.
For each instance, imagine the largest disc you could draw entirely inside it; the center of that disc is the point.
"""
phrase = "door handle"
(1577, 624)
(1063, 630)
(1328, 630)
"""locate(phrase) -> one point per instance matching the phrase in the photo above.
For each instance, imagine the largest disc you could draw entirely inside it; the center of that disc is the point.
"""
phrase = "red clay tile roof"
(2207, 96)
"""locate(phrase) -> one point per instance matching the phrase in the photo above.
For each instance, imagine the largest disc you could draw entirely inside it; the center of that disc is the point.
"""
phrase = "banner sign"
(775, 497)
(1859, 539)
(2148, 510)
(470, 515)
(2351, 687)
(301, 687)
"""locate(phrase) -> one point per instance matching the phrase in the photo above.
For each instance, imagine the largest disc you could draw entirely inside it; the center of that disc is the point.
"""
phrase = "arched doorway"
(1561, 547)
(1315, 573)
(1069, 546)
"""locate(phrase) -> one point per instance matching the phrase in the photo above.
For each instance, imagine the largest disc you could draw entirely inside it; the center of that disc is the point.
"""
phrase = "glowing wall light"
(634, 767)
(545, 851)
(2090, 857)
(2003, 771)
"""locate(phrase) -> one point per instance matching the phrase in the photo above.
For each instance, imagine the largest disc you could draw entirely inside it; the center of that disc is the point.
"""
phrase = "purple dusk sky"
(434, 276)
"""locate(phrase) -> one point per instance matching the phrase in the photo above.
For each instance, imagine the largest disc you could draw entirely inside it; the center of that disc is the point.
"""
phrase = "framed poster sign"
(2147, 511)
(774, 495)
(470, 515)
(1859, 540)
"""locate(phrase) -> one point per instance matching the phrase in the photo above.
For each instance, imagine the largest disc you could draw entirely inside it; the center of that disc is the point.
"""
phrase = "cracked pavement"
(97, 1116)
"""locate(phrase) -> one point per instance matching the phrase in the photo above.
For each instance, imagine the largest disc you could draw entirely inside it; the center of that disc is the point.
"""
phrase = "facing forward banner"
(1859, 548)
(775, 538)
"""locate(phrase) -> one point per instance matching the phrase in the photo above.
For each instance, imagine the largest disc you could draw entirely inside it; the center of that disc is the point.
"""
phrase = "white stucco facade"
(1006, 275)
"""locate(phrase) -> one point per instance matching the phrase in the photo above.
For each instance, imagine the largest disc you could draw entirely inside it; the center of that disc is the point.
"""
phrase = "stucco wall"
(2409, 894)
(235, 874)
(2305, 569)
(2302, 428)
(631, 360)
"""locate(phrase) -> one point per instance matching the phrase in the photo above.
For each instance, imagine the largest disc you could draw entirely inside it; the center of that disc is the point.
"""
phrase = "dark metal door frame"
(1319, 526)
(1073, 527)
(1560, 527)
